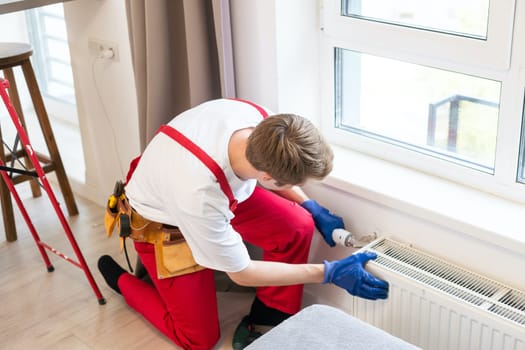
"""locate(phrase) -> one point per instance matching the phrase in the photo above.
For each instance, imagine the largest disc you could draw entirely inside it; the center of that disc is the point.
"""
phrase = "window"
(48, 36)
(47, 33)
(430, 85)
(391, 97)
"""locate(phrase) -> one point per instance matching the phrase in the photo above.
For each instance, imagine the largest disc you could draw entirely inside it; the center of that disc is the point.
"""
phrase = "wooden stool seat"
(13, 55)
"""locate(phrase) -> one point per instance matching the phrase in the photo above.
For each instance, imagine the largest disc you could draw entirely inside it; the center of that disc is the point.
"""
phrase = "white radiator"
(436, 305)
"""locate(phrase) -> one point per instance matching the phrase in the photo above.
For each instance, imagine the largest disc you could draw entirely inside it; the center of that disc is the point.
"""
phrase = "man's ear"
(266, 177)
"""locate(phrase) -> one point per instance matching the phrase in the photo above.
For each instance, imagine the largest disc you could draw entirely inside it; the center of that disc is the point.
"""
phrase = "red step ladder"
(39, 172)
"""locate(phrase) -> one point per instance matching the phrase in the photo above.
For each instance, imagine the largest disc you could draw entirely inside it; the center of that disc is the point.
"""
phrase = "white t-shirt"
(171, 185)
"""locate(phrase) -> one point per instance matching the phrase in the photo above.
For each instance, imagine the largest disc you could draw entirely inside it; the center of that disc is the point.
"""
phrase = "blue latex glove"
(349, 273)
(324, 220)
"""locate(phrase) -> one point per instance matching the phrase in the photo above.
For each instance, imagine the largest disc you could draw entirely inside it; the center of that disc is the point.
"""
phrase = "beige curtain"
(182, 56)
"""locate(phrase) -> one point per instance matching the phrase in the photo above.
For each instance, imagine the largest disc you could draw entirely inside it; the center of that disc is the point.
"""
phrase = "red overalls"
(184, 308)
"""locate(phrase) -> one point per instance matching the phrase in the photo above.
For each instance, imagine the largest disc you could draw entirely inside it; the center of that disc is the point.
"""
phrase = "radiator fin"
(477, 290)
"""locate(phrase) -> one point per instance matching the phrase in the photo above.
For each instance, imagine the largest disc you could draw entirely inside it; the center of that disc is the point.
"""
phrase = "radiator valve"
(347, 239)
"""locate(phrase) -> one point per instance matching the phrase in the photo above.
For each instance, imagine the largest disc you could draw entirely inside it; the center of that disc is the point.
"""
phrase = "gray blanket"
(322, 327)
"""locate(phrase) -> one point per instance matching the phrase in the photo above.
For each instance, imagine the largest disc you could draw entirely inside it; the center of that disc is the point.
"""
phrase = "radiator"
(437, 305)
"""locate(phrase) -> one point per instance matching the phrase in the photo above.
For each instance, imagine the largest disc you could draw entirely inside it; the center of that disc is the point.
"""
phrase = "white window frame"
(494, 58)
(495, 52)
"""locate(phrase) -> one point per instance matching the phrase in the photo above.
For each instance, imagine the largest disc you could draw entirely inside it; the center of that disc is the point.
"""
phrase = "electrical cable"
(106, 115)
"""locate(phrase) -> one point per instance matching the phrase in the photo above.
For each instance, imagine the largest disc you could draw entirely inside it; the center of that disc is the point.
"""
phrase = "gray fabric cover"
(322, 327)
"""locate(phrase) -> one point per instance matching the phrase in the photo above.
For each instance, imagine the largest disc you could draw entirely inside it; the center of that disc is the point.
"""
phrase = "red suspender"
(256, 106)
(203, 156)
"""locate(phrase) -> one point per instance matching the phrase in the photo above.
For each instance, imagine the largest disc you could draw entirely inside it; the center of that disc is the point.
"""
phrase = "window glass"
(450, 115)
(466, 17)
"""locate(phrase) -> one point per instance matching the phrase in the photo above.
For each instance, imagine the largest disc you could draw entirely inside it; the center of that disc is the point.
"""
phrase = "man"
(252, 194)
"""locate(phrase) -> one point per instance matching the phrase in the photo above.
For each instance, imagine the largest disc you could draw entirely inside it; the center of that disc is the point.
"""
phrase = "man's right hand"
(350, 274)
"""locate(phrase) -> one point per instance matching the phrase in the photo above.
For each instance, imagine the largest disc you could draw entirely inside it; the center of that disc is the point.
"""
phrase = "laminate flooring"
(59, 310)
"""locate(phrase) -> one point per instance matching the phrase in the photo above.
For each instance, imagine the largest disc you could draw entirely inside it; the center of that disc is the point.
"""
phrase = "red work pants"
(184, 308)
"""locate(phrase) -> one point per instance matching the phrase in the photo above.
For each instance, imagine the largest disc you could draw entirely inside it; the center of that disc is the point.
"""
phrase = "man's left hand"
(325, 221)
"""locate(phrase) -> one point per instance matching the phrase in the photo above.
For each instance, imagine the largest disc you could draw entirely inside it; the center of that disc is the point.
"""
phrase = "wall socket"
(102, 49)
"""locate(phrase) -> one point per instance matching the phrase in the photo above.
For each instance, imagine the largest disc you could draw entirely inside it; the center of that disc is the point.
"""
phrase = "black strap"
(18, 171)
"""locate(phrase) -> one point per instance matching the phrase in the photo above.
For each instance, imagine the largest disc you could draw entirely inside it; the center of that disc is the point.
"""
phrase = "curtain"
(182, 56)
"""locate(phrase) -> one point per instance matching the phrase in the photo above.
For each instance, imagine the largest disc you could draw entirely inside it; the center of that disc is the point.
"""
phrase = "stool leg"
(7, 205)
(49, 137)
(15, 99)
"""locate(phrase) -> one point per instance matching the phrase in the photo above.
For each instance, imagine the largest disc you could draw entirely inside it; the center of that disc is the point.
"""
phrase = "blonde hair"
(290, 149)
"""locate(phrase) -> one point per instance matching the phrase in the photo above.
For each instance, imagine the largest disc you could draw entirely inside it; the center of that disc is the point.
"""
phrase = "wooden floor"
(59, 310)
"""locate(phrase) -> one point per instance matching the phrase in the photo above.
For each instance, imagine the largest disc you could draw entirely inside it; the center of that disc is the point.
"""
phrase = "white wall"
(278, 71)
(106, 99)
(12, 28)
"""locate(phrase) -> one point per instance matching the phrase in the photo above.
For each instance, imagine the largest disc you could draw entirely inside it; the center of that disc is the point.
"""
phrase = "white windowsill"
(484, 216)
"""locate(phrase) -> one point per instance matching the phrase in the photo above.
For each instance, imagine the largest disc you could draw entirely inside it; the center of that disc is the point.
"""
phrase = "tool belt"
(173, 256)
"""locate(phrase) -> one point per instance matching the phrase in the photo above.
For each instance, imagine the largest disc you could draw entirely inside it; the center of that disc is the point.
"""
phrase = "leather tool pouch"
(173, 256)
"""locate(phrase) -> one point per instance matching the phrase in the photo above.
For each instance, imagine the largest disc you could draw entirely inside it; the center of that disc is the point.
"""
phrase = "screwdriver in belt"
(113, 198)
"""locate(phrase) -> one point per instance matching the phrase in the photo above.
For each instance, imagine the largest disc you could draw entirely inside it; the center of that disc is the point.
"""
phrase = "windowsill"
(484, 216)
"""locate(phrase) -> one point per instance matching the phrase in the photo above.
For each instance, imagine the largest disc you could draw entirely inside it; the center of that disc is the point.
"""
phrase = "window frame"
(495, 52)
(418, 47)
